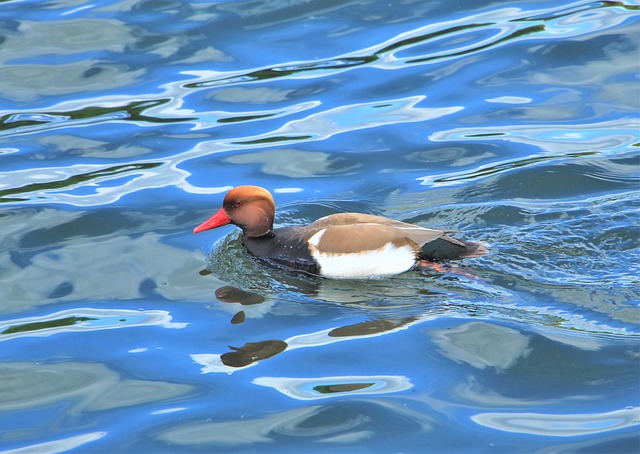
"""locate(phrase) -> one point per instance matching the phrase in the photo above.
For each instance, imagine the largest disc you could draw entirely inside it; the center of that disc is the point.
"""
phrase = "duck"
(338, 246)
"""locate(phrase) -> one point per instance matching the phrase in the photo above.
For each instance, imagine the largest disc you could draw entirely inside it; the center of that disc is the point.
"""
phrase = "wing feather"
(368, 237)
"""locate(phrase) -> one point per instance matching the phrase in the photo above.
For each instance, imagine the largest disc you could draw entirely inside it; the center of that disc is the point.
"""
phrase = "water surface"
(122, 124)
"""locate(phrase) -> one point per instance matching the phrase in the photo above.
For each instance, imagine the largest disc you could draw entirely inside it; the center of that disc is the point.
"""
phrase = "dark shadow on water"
(230, 294)
(251, 352)
(49, 324)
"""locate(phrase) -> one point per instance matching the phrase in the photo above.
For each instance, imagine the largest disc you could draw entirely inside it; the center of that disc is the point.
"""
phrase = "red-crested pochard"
(344, 245)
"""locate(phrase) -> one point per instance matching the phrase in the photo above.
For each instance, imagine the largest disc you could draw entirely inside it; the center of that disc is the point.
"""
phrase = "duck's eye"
(232, 204)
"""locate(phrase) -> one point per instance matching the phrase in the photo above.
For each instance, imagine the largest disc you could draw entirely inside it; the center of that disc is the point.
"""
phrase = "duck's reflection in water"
(370, 327)
(238, 318)
(252, 352)
(230, 294)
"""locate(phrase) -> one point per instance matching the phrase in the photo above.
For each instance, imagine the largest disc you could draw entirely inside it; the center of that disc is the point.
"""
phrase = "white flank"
(387, 260)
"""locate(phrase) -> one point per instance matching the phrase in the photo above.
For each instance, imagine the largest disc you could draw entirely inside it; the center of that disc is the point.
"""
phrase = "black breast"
(283, 248)
(441, 249)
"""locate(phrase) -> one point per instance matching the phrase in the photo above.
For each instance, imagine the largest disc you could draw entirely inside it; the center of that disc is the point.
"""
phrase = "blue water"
(123, 123)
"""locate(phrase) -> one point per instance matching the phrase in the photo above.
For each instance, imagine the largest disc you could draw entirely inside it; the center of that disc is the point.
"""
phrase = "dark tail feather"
(447, 248)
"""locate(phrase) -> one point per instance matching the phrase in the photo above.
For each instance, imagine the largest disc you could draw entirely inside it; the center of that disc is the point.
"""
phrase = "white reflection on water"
(462, 38)
(320, 126)
(294, 163)
(558, 425)
(341, 422)
(84, 319)
(242, 431)
(510, 100)
(88, 269)
(477, 394)
(215, 119)
(483, 345)
(253, 95)
(459, 38)
(62, 38)
(325, 387)
(317, 126)
(92, 148)
(56, 446)
(556, 142)
(614, 135)
(82, 386)
(212, 362)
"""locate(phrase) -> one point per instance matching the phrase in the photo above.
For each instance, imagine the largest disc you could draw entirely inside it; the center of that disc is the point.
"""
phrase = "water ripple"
(90, 185)
(485, 33)
(87, 319)
(519, 120)
(326, 387)
(150, 174)
(444, 41)
(59, 445)
(564, 142)
(560, 425)
(55, 179)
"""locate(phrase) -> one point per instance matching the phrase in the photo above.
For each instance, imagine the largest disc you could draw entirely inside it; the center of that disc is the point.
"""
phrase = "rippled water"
(121, 125)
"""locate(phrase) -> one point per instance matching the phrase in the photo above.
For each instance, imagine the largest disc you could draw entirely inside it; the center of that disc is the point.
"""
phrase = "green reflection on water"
(35, 326)
(341, 387)
(75, 180)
